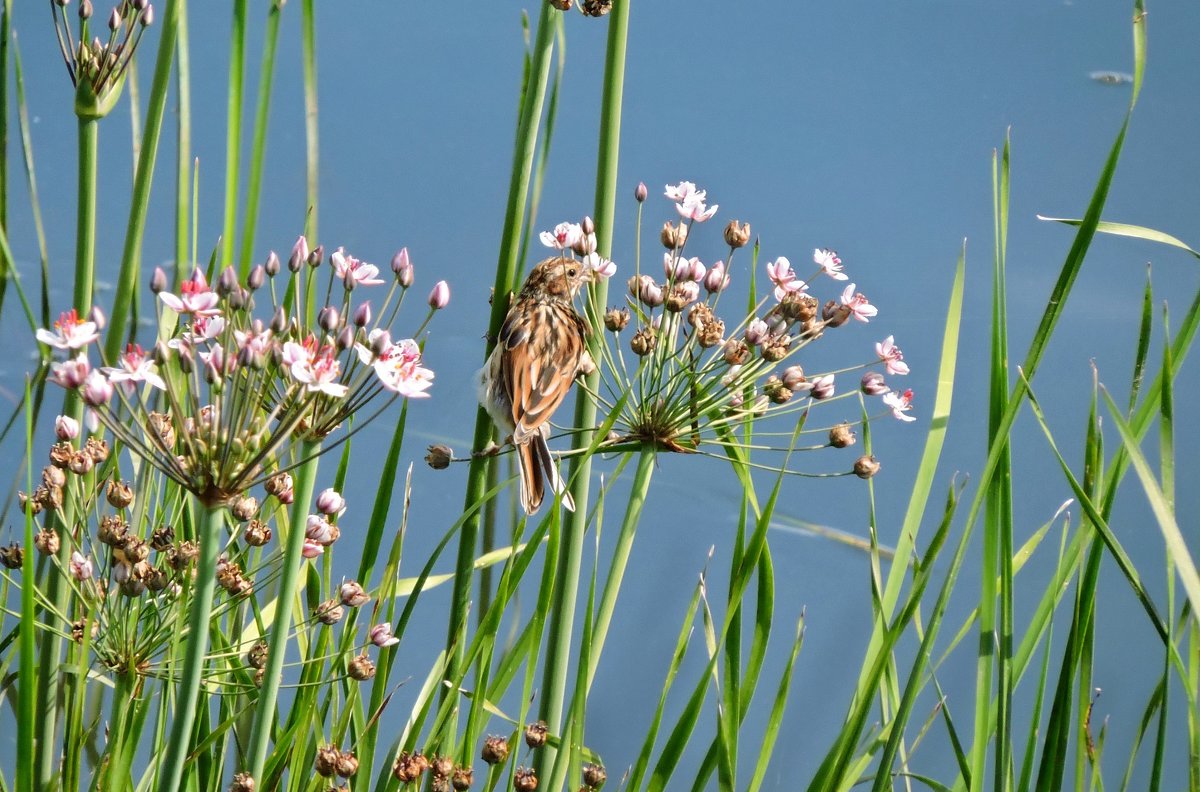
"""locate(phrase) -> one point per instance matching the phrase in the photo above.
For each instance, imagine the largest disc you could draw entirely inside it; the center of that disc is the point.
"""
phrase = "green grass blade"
(233, 128)
(1127, 230)
(775, 721)
(258, 155)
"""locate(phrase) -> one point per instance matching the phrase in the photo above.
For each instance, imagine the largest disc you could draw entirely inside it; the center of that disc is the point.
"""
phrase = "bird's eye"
(571, 272)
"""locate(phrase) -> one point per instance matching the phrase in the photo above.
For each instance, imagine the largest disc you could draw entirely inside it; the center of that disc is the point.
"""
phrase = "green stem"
(131, 255)
(308, 48)
(562, 616)
(27, 672)
(85, 228)
(183, 160)
(258, 153)
(233, 128)
(506, 273)
(199, 615)
(616, 573)
(281, 625)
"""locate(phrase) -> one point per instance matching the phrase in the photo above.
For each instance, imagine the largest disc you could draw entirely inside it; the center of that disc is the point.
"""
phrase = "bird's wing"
(542, 347)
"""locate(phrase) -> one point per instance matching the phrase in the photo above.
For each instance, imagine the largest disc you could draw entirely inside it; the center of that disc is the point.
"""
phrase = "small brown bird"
(534, 364)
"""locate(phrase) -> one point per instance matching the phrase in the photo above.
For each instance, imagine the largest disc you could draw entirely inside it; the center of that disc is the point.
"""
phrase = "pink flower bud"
(299, 254)
(96, 316)
(640, 192)
(81, 566)
(352, 594)
(311, 549)
(402, 268)
(756, 332)
(822, 387)
(381, 635)
(440, 296)
(362, 315)
(716, 280)
(330, 501)
(873, 384)
(319, 530)
(97, 390)
(66, 428)
(158, 281)
(271, 267)
(328, 318)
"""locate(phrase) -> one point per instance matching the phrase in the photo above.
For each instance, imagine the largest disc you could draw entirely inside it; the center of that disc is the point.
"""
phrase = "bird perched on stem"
(534, 364)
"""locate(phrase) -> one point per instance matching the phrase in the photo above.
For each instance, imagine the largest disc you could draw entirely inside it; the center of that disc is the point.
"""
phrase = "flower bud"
(735, 236)
(866, 467)
(640, 192)
(316, 256)
(81, 566)
(279, 320)
(96, 316)
(147, 16)
(330, 501)
(616, 319)
(227, 282)
(842, 436)
(353, 595)
(257, 277)
(756, 332)
(380, 341)
(345, 339)
(272, 265)
(402, 268)
(440, 296)
(97, 390)
(362, 669)
(362, 315)
(66, 428)
(381, 635)
(114, 21)
(873, 384)
(822, 387)
(299, 254)
(85, 9)
(328, 318)
(439, 456)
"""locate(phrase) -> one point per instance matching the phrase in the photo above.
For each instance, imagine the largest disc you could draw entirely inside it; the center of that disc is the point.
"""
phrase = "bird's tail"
(535, 460)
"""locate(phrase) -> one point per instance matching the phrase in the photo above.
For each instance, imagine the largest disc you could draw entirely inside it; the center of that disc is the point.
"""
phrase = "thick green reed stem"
(281, 625)
(506, 275)
(199, 615)
(131, 255)
(85, 225)
(562, 616)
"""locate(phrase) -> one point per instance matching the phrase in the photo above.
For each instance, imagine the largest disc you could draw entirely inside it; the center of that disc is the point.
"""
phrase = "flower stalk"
(200, 613)
(293, 559)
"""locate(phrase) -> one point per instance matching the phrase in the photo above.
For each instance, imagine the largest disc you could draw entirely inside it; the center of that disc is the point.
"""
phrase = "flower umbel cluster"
(97, 68)
(695, 375)
(222, 393)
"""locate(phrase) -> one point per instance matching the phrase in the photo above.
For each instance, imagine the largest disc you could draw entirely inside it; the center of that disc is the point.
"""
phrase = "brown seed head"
(616, 319)
(736, 236)
(673, 237)
(776, 391)
(80, 463)
(346, 765)
(244, 508)
(442, 766)
(162, 538)
(257, 656)
(463, 778)
(112, 530)
(160, 424)
(330, 612)
(53, 476)
(327, 759)
(257, 533)
(119, 494)
(736, 352)
(12, 556)
(711, 334)
(97, 449)
(46, 541)
(439, 456)
(495, 750)
(361, 668)
(535, 734)
(643, 342)
(61, 454)
(594, 775)
(842, 436)
(835, 314)
(596, 8)
(525, 780)
(562, 5)
(866, 466)
(776, 349)
(242, 782)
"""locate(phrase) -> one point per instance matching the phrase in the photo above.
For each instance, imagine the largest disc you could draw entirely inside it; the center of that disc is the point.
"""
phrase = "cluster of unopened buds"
(697, 372)
(97, 68)
(223, 392)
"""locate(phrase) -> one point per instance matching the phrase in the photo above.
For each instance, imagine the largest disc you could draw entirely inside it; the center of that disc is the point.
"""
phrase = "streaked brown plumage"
(534, 364)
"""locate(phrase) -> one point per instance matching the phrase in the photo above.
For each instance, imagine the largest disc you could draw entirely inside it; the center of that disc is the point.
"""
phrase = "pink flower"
(398, 366)
(331, 502)
(381, 635)
(66, 428)
(81, 566)
(684, 192)
(97, 390)
(646, 290)
(860, 309)
(601, 266)
(194, 297)
(564, 236)
(257, 340)
(757, 332)
(440, 296)
(696, 211)
(781, 274)
(900, 403)
(891, 355)
(317, 369)
(318, 529)
(311, 549)
(716, 280)
(348, 268)
(136, 366)
(690, 202)
(71, 332)
(70, 373)
(681, 269)
(828, 261)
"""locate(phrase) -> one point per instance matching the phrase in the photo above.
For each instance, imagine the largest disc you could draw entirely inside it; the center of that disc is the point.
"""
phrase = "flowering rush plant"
(224, 390)
(695, 375)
